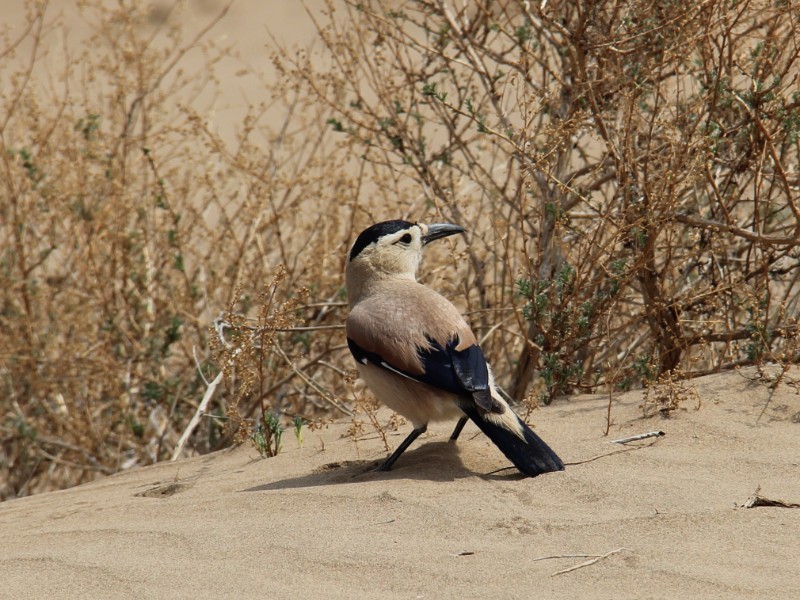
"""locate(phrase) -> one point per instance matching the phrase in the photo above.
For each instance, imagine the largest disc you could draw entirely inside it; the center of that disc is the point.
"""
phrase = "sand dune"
(317, 521)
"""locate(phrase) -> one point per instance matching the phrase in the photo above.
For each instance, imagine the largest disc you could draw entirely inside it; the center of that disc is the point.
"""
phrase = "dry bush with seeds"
(668, 393)
(127, 227)
(627, 172)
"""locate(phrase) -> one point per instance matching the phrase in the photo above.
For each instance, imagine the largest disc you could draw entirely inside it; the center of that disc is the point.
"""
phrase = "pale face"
(390, 248)
(398, 253)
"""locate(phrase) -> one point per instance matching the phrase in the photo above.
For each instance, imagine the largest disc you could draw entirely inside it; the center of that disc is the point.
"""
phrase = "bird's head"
(392, 248)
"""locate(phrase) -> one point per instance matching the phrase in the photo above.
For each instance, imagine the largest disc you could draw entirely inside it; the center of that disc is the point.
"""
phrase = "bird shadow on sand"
(433, 461)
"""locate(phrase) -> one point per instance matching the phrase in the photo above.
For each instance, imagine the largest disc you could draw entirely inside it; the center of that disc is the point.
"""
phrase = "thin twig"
(325, 395)
(197, 415)
(220, 323)
(307, 328)
(588, 562)
(628, 449)
(199, 368)
(555, 556)
(636, 438)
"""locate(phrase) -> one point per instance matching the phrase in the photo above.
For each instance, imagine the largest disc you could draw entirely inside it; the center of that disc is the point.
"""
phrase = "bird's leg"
(459, 426)
(415, 433)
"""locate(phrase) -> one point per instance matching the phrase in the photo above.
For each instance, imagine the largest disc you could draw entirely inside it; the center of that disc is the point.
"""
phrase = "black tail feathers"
(532, 456)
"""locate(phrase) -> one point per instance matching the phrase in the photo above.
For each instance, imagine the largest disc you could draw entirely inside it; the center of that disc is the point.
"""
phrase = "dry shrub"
(627, 170)
(126, 227)
(669, 393)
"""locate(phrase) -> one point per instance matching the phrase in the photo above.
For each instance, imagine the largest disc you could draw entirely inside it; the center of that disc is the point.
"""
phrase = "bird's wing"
(460, 372)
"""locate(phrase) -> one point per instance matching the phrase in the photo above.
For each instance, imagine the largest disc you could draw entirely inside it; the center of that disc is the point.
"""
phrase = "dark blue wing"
(460, 372)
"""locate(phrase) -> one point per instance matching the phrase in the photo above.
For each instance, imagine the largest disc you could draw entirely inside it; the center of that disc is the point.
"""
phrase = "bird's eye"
(406, 239)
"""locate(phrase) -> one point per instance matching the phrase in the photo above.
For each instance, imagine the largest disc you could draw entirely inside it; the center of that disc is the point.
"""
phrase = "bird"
(416, 352)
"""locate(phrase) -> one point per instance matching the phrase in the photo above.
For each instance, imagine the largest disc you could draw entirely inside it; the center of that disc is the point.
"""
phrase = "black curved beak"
(440, 230)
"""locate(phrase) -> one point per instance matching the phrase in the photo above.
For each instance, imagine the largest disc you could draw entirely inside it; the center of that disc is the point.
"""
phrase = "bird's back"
(396, 318)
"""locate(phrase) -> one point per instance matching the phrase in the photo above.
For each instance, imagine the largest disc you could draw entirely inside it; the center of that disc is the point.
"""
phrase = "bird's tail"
(516, 440)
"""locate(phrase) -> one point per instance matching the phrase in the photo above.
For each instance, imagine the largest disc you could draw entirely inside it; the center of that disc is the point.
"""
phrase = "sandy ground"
(316, 521)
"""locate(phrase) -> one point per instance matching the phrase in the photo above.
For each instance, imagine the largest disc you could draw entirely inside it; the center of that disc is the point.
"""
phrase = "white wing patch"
(393, 370)
(388, 367)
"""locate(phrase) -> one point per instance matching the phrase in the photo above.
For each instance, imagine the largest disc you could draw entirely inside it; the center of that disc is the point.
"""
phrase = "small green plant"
(267, 435)
(563, 325)
(298, 422)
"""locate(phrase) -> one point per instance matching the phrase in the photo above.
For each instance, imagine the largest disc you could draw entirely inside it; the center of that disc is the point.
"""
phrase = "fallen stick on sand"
(758, 500)
(593, 558)
(636, 438)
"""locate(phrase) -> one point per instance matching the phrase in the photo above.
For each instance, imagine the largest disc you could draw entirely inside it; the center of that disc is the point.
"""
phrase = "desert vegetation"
(628, 172)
